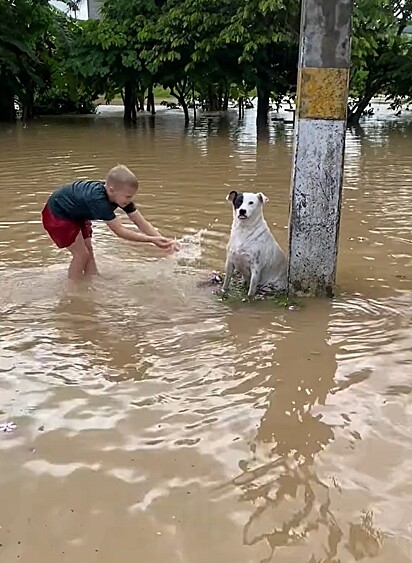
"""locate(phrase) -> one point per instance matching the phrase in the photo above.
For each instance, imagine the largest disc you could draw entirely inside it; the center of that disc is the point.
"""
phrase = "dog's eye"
(250, 202)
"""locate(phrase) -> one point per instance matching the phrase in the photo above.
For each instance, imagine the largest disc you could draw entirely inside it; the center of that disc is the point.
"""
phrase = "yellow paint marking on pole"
(322, 93)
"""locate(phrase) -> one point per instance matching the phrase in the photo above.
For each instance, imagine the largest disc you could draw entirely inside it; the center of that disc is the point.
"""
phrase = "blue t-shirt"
(84, 201)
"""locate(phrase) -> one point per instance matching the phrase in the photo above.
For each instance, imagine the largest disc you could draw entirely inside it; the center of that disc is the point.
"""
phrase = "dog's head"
(246, 205)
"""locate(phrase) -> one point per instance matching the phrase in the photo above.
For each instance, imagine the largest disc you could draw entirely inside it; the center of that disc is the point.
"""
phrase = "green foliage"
(381, 52)
(210, 46)
(35, 42)
(209, 49)
(23, 25)
(59, 101)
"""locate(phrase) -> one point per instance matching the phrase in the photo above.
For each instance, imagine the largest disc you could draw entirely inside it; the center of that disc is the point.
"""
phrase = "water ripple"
(204, 430)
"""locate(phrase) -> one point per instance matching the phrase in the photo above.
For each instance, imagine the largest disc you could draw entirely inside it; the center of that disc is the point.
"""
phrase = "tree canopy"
(381, 53)
(204, 52)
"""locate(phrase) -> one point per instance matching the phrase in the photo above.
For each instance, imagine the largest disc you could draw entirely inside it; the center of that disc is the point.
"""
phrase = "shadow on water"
(278, 478)
(292, 504)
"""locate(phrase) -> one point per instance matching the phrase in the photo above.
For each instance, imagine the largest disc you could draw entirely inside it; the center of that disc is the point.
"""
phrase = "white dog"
(252, 250)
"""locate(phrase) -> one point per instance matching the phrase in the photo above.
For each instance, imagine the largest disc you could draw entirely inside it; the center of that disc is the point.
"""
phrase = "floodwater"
(154, 423)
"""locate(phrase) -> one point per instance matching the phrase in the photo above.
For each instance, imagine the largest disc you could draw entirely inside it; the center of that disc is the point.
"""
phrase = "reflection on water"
(153, 419)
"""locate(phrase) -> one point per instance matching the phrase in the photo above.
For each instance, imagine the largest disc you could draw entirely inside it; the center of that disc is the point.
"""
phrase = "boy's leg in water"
(80, 257)
(90, 268)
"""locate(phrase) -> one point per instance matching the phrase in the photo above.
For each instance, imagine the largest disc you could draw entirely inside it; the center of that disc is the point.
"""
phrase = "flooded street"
(155, 423)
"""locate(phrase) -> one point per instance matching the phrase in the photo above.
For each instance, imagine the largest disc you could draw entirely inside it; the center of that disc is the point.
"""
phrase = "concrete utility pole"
(321, 111)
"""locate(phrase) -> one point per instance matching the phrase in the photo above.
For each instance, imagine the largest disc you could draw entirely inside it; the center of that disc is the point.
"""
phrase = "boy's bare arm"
(128, 234)
(142, 224)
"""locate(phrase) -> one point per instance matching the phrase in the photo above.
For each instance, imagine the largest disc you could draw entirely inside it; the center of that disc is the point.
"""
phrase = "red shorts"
(63, 232)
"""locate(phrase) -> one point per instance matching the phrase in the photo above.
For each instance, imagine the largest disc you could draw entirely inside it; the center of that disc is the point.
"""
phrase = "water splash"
(190, 248)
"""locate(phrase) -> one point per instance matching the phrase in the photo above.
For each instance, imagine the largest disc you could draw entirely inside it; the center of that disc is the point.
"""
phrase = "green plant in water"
(238, 290)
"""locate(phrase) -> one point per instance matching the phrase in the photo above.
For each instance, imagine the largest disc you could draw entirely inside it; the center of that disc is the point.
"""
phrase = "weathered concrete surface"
(325, 30)
(315, 206)
(317, 175)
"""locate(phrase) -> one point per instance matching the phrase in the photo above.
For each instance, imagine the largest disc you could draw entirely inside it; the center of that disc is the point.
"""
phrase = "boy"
(69, 211)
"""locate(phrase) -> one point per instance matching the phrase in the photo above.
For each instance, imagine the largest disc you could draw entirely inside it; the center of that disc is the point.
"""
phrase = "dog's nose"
(242, 211)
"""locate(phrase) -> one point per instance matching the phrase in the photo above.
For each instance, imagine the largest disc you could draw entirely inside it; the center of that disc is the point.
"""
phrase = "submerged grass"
(238, 293)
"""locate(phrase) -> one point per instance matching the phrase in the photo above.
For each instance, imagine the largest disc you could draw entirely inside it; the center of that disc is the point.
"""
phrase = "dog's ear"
(231, 196)
(262, 198)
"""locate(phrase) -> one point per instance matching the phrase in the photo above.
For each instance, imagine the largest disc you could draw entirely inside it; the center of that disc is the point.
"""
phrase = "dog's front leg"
(229, 270)
(253, 285)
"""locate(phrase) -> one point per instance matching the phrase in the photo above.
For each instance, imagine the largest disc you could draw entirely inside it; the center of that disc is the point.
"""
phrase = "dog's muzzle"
(242, 214)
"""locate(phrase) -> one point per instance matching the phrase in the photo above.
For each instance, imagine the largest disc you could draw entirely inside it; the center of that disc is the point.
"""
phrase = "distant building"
(93, 9)
(80, 14)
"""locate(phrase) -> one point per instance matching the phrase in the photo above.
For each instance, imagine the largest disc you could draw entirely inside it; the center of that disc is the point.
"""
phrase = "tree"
(250, 43)
(191, 46)
(35, 43)
(265, 34)
(381, 53)
(107, 56)
(213, 50)
(23, 27)
(182, 53)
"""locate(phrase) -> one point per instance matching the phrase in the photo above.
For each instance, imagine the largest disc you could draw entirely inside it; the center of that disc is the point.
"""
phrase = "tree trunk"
(128, 103)
(194, 103)
(226, 101)
(241, 104)
(184, 105)
(212, 102)
(135, 107)
(220, 98)
(355, 114)
(151, 101)
(140, 101)
(263, 106)
(7, 109)
(180, 97)
(28, 105)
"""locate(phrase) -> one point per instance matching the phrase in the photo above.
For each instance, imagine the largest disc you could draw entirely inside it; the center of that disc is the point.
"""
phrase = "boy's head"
(121, 185)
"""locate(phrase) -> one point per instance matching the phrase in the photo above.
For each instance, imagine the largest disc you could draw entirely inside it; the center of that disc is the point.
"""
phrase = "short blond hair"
(120, 176)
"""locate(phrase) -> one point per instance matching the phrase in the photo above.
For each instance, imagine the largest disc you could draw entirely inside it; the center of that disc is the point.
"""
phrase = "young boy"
(69, 211)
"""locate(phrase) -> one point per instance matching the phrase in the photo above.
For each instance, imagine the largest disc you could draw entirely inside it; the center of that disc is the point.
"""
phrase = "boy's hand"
(163, 242)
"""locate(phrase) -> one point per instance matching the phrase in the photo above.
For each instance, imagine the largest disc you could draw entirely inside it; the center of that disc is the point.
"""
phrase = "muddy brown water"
(155, 423)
